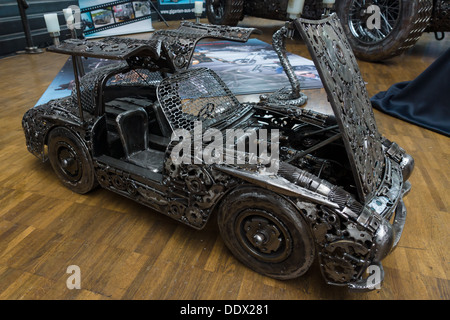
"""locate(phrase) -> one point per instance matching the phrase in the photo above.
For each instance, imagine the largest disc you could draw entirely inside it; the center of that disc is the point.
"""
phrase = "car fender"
(277, 184)
(39, 121)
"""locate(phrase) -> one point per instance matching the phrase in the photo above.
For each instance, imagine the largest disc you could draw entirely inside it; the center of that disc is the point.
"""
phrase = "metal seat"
(132, 126)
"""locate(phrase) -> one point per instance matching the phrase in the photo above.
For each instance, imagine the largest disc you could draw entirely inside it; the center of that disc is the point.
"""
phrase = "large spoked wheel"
(224, 12)
(382, 29)
(71, 161)
(266, 233)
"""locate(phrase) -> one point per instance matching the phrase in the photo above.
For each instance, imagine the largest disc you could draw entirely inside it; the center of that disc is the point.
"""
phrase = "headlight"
(407, 165)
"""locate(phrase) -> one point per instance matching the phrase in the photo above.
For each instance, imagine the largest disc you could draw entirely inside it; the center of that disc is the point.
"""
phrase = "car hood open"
(347, 93)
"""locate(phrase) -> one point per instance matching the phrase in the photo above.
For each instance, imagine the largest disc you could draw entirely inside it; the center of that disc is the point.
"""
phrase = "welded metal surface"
(308, 205)
(349, 99)
(180, 43)
(109, 48)
(440, 20)
(285, 96)
(196, 95)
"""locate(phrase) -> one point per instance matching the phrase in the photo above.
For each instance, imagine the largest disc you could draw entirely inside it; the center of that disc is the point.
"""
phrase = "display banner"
(179, 9)
(102, 18)
(253, 67)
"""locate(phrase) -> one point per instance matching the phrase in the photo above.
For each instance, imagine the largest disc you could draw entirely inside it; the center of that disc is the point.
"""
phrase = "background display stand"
(159, 13)
(30, 48)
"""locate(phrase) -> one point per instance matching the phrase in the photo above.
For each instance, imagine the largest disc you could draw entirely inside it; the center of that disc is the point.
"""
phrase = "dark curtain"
(424, 101)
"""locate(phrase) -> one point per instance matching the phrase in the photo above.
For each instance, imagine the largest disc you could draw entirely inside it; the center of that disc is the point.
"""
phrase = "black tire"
(224, 12)
(402, 23)
(71, 161)
(266, 233)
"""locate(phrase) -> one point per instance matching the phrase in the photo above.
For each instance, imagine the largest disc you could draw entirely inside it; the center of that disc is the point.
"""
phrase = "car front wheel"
(266, 233)
(70, 160)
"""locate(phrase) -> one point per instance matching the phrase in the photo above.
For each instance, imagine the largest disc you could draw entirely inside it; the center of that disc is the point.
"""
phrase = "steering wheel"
(206, 111)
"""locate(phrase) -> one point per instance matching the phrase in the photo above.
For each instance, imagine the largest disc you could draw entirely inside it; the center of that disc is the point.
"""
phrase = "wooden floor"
(126, 251)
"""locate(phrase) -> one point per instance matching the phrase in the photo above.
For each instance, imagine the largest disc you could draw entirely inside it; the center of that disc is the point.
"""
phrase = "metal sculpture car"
(337, 188)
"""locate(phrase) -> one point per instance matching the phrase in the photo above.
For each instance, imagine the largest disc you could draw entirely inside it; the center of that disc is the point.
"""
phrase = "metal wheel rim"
(389, 19)
(68, 162)
(263, 236)
(217, 8)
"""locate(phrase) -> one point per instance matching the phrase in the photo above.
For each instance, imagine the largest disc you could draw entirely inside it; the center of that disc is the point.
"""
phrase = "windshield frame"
(205, 87)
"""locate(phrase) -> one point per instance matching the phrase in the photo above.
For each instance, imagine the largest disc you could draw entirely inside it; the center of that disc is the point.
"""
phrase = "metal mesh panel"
(138, 77)
(196, 95)
(88, 85)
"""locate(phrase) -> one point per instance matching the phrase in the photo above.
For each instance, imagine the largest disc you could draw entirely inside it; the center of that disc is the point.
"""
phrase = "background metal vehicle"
(401, 25)
(104, 17)
(401, 22)
(337, 188)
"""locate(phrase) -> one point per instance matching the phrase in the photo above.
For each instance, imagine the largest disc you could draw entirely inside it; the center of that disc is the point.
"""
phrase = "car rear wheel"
(224, 12)
(266, 233)
(71, 161)
(401, 23)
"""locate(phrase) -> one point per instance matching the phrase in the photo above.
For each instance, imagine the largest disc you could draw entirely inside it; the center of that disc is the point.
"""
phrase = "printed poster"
(103, 18)
(179, 9)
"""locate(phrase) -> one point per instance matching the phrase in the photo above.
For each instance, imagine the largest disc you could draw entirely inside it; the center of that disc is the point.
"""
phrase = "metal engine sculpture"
(338, 188)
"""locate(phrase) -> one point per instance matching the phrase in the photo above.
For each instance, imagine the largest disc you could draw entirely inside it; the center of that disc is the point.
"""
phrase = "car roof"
(179, 44)
(166, 51)
(172, 49)
(110, 48)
